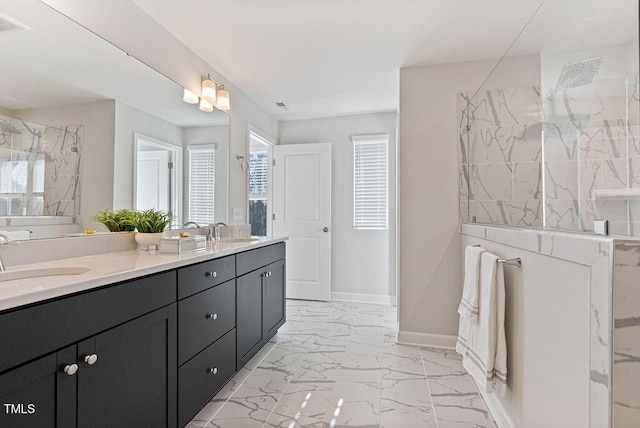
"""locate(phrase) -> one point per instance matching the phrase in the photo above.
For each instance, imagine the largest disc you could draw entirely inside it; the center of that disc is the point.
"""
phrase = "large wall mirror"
(84, 128)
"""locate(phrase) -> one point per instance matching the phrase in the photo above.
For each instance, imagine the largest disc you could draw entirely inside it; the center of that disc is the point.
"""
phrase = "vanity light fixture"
(206, 106)
(189, 97)
(223, 103)
(209, 90)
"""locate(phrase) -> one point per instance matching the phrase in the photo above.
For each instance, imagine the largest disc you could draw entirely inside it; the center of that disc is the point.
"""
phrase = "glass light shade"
(189, 97)
(223, 103)
(206, 105)
(209, 90)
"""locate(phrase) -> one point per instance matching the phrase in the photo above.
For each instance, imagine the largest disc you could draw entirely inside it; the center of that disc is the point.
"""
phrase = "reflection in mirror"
(73, 94)
(551, 137)
(158, 166)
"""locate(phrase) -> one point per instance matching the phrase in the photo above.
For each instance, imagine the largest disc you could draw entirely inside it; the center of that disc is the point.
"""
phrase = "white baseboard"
(378, 299)
(497, 410)
(426, 339)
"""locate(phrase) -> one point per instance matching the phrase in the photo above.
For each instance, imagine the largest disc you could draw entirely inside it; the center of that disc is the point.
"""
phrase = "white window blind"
(370, 181)
(258, 175)
(202, 183)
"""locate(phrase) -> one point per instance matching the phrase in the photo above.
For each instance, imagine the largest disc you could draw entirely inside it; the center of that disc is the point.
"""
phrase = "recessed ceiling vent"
(282, 105)
(10, 25)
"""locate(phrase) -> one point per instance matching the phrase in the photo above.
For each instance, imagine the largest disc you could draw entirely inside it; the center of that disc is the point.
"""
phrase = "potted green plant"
(150, 224)
(116, 221)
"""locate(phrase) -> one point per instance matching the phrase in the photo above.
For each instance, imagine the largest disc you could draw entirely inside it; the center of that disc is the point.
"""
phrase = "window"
(370, 181)
(258, 186)
(202, 183)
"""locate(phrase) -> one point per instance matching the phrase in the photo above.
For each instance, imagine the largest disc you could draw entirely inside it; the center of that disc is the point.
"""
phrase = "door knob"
(91, 359)
(326, 229)
(71, 369)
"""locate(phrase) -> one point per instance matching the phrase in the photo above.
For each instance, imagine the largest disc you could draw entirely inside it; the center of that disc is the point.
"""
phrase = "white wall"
(96, 177)
(547, 326)
(220, 136)
(125, 25)
(430, 275)
(129, 121)
(363, 261)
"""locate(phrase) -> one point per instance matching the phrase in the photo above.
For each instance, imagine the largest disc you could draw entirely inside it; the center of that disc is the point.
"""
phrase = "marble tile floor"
(336, 364)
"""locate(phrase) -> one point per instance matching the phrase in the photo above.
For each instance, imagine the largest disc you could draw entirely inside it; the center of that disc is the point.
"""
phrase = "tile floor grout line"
(426, 378)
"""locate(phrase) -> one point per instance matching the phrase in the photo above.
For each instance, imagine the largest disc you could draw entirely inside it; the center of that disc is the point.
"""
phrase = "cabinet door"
(274, 298)
(133, 380)
(40, 394)
(249, 315)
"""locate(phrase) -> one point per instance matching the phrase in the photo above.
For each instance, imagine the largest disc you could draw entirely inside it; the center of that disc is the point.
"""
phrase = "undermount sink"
(36, 273)
(223, 240)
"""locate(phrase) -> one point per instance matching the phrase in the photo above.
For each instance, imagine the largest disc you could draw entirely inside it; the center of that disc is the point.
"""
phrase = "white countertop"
(109, 268)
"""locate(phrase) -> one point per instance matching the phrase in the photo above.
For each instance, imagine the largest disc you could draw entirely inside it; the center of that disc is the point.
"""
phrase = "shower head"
(576, 74)
(7, 128)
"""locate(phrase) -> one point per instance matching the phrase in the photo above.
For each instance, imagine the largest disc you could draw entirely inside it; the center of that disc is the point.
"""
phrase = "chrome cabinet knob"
(212, 316)
(71, 369)
(268, 273)
(91, 359)
(212, 274)
(213, 371)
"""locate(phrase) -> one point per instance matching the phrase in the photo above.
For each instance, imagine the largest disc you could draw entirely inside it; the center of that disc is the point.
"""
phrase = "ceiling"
(54, 61)
(338, 57)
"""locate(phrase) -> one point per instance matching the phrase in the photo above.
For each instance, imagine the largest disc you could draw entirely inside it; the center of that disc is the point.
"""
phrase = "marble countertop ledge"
(106, 269)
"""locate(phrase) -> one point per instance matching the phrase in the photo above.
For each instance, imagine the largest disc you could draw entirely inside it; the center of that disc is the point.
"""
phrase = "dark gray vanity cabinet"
(40, 394)
(261, 298)
(111, 360)
(206, 332)
(146, 352)
(133, 381)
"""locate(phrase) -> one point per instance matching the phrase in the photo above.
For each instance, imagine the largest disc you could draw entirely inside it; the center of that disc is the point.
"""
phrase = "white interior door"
(302, 209)
(153, 180)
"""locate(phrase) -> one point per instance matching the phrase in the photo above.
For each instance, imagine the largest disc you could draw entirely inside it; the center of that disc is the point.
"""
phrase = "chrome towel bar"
(517, 262)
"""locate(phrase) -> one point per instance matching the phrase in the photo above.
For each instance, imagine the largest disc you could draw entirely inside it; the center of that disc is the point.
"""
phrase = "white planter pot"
(146, 239)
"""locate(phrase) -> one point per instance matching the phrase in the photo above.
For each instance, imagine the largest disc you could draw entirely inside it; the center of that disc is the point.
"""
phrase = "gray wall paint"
(430, 265)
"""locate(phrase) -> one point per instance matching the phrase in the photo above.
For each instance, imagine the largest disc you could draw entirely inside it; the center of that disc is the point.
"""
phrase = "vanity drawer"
(196, 381)
(204, 317)
(196, 278)
(255, 259)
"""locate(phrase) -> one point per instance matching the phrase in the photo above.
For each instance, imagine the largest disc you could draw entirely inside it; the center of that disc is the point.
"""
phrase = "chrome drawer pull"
(213, 371)
(213, 274)
(212, 316)
(71, 369)
(91, 359)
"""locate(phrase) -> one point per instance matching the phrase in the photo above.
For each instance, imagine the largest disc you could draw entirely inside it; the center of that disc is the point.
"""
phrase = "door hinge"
(273, 162)
(170, 165)
(273, 216)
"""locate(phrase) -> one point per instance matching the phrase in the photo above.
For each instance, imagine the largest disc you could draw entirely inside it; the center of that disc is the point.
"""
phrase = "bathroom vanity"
(150, 350)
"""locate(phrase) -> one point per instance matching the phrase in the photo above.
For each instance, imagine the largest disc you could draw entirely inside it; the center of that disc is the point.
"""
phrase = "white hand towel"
(483, 345)
(469, 304)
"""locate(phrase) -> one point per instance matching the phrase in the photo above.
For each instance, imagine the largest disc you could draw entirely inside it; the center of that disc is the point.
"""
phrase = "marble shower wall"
(589, 144)
(39, 169)
(530, 158)
(626, 335)
(500, 153)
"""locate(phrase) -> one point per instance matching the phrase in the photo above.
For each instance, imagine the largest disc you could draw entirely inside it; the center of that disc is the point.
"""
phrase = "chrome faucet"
(4, 240)
(192, 225)
(216, 230)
